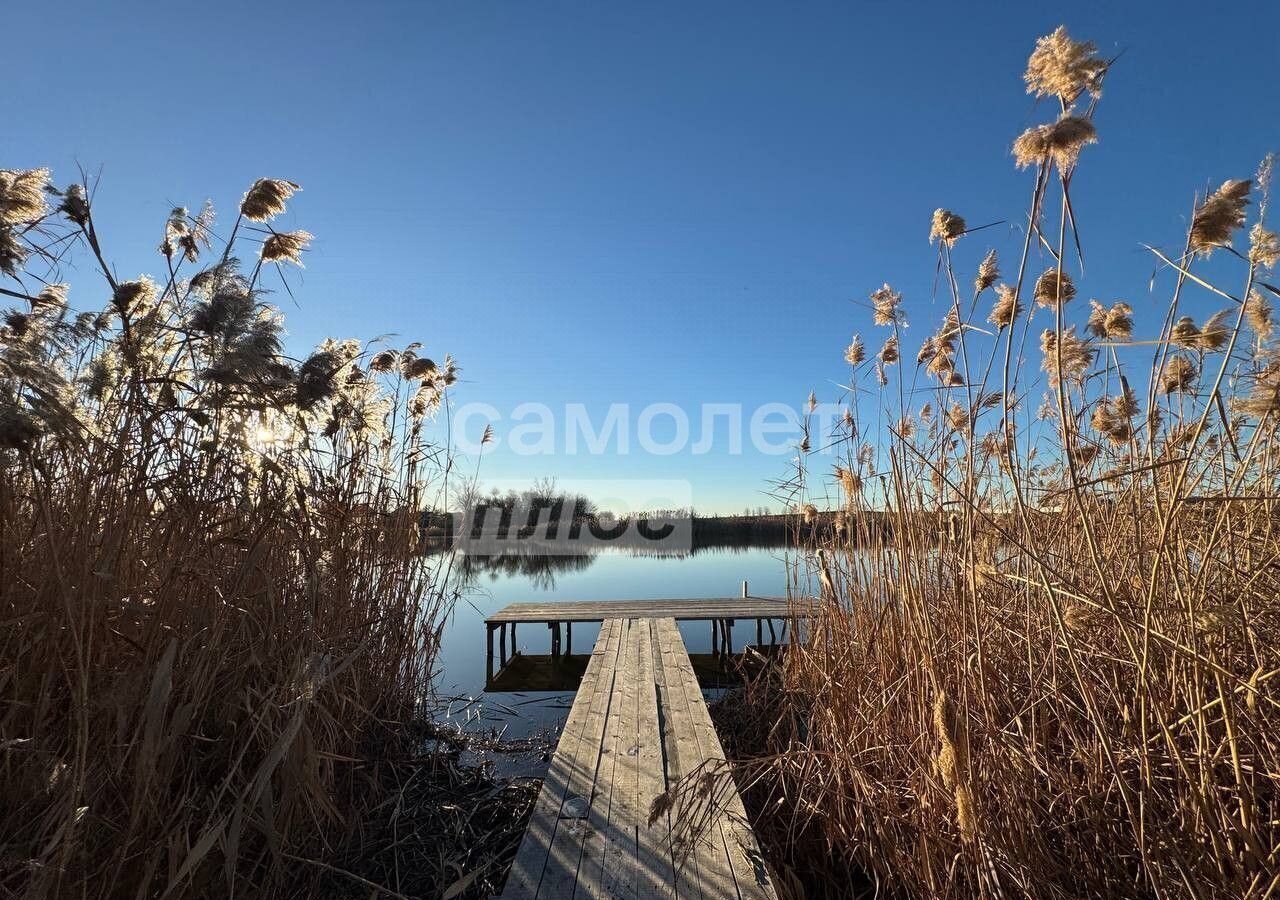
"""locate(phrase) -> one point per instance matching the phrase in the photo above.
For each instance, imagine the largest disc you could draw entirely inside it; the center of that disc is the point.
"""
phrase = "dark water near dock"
(492, 584)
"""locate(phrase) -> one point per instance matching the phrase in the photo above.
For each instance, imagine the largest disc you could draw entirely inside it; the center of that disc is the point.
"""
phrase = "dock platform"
(721, 612)
(638, 725)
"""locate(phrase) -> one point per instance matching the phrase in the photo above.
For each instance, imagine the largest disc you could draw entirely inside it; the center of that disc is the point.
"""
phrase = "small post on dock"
(744, 590)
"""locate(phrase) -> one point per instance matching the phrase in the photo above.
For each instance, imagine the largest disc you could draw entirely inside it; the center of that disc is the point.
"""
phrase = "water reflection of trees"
(539, 569)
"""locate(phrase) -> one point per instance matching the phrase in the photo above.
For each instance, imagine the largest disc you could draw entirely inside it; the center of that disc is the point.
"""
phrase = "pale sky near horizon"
(591, 204)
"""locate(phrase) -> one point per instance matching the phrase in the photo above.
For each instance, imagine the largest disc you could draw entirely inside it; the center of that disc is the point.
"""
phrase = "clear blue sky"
(608, 202)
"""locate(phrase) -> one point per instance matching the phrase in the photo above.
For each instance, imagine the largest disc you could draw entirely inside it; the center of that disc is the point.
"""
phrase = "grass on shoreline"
(1072, 691)
(216, 631)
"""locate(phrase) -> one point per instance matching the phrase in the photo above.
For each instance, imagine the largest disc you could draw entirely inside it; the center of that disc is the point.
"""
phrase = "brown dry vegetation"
(1073, 691)
(215, 632)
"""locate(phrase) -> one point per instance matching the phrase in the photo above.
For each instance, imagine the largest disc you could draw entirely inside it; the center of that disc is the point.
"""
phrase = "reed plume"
(1220, 215)
(1054, 288)
(988, 273)
(887, 303)
(286, 246)
(855, 353)
(946, 227)
(266, 199)
(1064, 68)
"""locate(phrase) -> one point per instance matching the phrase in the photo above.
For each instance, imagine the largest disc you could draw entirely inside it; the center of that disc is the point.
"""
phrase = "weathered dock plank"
(573, 767)
(746, 864)
(612, 873)
(702, 846)
(681, 757)
(655, 876)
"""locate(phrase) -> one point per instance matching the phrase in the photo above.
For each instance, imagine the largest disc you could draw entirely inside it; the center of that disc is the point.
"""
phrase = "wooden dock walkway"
(638, 725)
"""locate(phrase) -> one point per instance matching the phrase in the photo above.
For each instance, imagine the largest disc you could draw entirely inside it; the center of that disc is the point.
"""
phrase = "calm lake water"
(711, 572)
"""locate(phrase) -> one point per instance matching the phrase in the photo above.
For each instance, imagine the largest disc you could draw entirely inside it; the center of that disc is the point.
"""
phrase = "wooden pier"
(721, 612)
(638, 725)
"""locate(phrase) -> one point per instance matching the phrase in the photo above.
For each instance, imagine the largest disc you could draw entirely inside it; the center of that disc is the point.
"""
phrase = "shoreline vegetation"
(1077, 697)
(215, 670)
(755, 530)
(525, 521)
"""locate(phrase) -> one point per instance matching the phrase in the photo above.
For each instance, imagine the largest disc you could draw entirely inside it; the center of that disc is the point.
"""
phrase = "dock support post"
(502, 644)
(773, 635)
(555, 639)
(568, 639)
(759, 632)
(512, 654)
(727, 627)
(715, 638)
(488, 657)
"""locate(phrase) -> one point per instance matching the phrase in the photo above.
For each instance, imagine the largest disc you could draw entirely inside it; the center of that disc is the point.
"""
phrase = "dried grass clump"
(131, 297)
(267, 199)
(1066, 353)
(1114, 323)
(889, 353)
(13, 255)
(1051, 667)
(1060, 142)
(418, 368)
(850, 482)
(1264, 246)
(1054, 288)
(946, 227)
(1263, 399)
(1006, 308)
(185, 233)
(886, 303)
(1259, 314)
(22, 207)
(218, 628)
(22, 196)
(938, 352)
(855, 353)
(1113, 417)
(383, 361)
(1211, 336)
(1064, 68)
(988, 272)
(1219, 217)
(286, 246)
(1179, 375)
